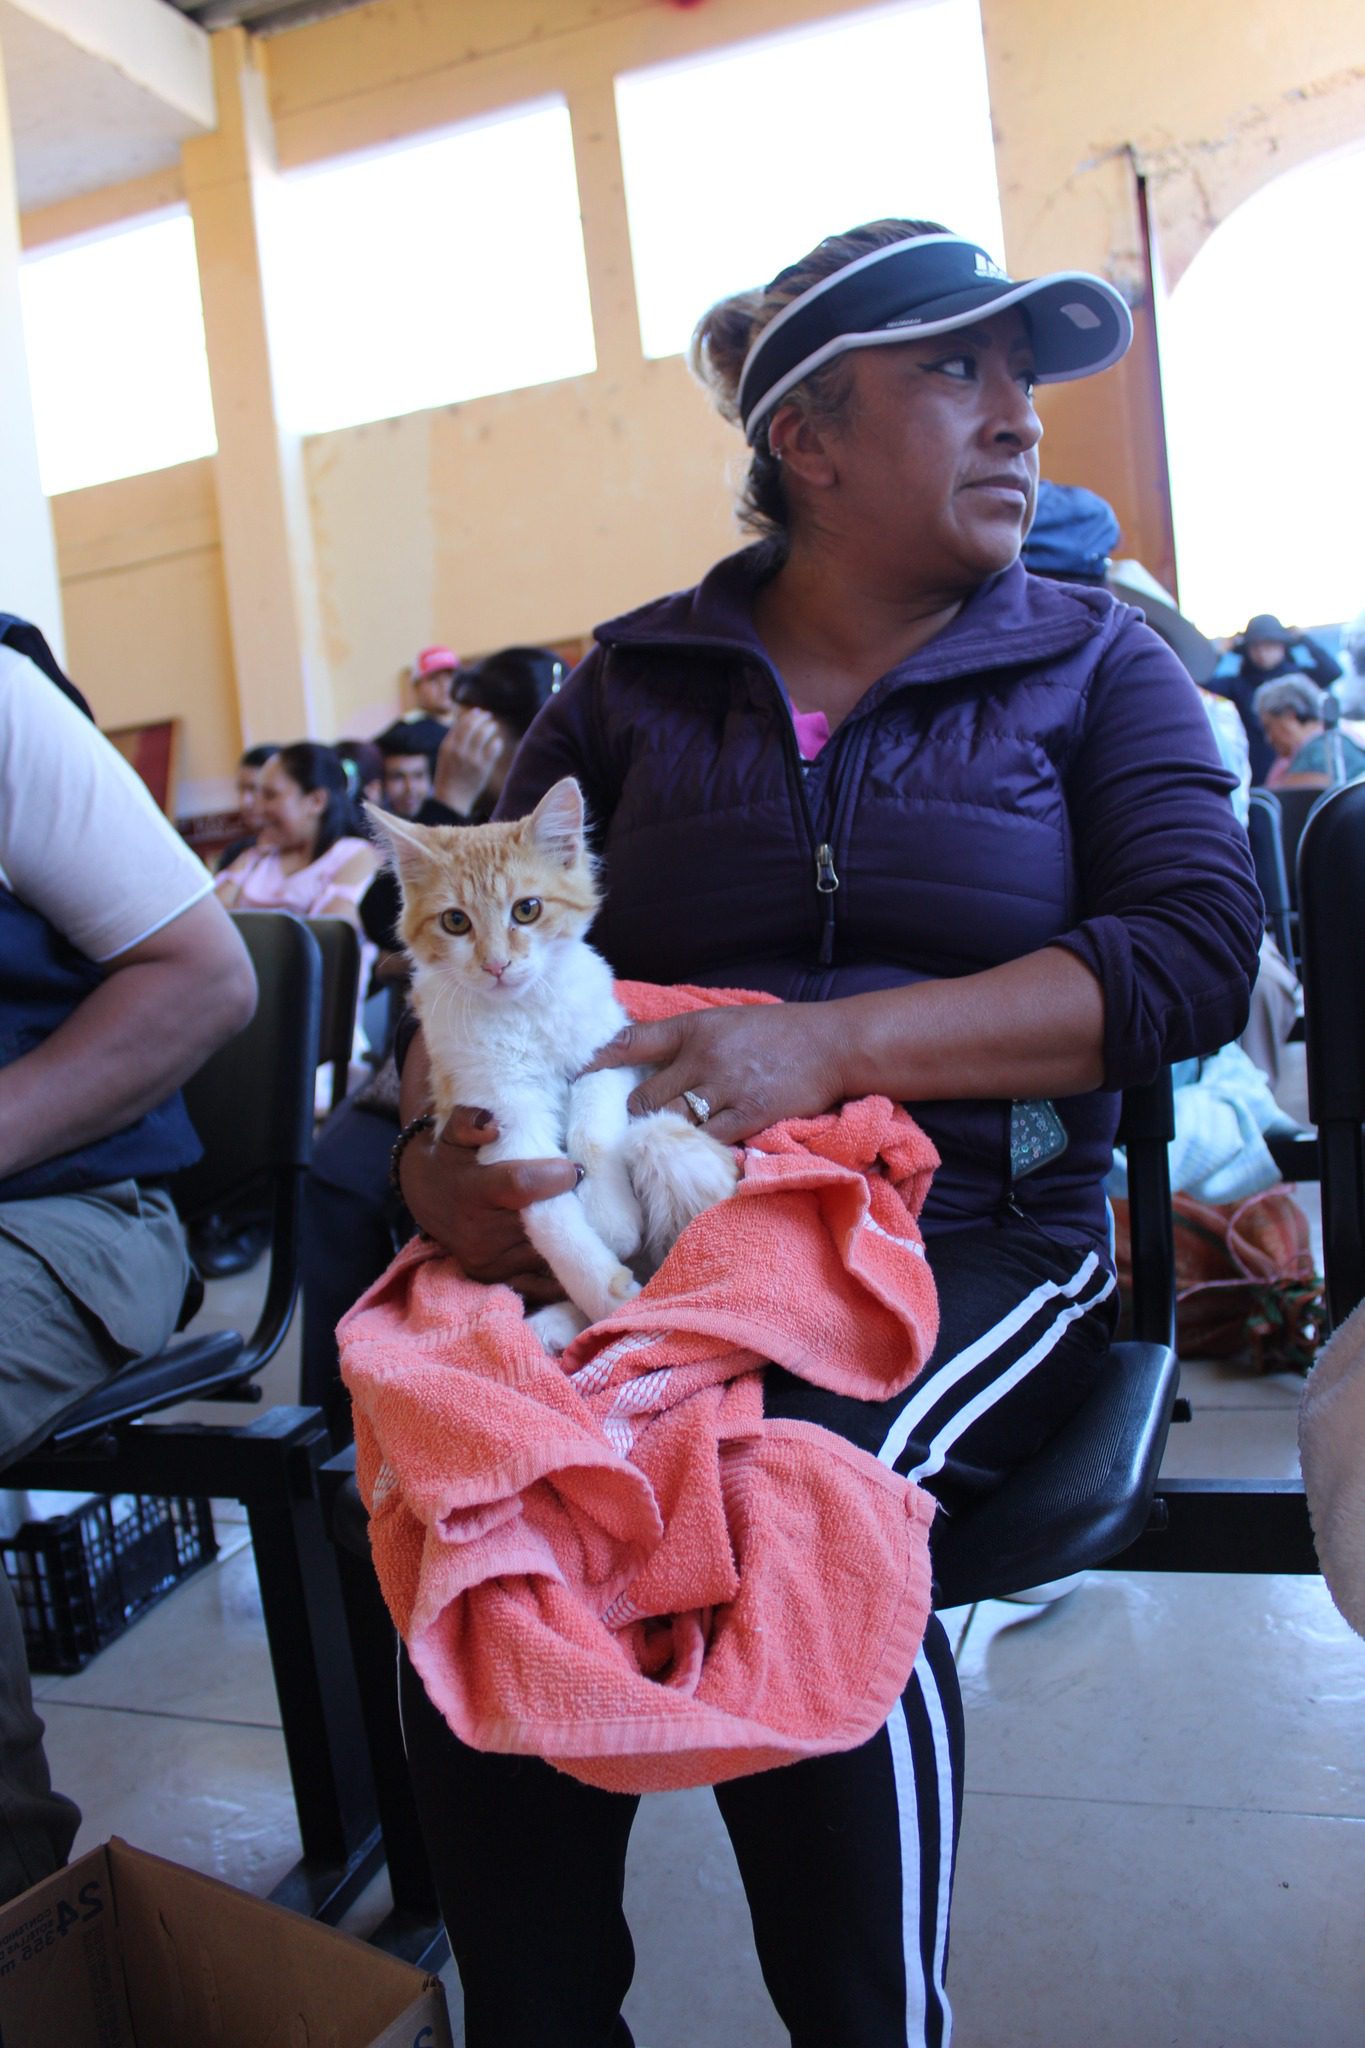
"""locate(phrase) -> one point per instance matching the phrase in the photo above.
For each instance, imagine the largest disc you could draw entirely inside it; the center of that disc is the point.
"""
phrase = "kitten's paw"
(557, 1325)
(601, 1296)
(610, 1206)
(677, 1171)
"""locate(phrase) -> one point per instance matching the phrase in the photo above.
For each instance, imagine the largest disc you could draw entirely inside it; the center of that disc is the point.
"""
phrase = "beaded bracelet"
(400, 1146)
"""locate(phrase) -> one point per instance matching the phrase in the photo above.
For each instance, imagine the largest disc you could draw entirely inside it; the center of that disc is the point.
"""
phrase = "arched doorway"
(1262, 350)
(1261, 347)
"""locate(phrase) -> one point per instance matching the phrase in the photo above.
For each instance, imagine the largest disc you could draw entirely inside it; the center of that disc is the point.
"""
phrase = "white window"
(440, 270)
(114, 333)
(736, 164)
(1260, 343)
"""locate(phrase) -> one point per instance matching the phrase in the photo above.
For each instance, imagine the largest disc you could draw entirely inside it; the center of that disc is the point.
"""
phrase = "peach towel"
(612, 1560)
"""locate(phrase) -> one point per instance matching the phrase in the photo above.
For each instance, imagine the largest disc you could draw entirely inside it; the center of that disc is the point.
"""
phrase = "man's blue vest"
(42, 980)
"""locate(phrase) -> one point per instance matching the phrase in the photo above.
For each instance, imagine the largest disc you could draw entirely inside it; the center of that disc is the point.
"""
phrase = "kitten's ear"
(556, 823)
(409, 846)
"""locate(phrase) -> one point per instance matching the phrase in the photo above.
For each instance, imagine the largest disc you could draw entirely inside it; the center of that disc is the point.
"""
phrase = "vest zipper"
(826, 882)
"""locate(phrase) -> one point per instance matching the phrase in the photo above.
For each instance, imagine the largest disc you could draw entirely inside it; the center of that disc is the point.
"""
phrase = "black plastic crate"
(80, 1578)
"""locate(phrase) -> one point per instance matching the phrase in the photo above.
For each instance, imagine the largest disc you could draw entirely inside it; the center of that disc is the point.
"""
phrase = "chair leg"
(271, 1465)
(305, 1625)
(414, 1929)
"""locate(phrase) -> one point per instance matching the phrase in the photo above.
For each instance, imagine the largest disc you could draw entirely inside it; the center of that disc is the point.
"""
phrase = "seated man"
(409, 766)
(119, 975)
(433, 678)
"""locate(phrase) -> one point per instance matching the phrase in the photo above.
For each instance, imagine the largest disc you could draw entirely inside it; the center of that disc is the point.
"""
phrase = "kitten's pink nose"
(497, 968)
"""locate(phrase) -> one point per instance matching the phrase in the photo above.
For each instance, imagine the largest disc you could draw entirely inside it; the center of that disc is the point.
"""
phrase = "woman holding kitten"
(971, 828)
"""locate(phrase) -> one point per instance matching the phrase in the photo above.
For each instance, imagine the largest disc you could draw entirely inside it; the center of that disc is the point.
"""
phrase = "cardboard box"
(124, 1950)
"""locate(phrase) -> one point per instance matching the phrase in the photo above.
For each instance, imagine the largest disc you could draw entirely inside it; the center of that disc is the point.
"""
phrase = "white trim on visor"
(817, 291)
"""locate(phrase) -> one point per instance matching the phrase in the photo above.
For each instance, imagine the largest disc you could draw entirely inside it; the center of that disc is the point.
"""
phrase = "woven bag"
(1245, 1286)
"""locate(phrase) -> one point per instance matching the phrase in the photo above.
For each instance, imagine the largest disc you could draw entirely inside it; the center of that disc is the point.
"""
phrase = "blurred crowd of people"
(305, 844)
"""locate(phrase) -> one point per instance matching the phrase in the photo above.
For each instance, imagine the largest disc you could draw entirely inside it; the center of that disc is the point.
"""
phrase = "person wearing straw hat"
(972, 829)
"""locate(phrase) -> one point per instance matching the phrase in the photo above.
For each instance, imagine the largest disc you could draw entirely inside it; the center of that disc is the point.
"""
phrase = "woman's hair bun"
(723, 337)
(720, 343)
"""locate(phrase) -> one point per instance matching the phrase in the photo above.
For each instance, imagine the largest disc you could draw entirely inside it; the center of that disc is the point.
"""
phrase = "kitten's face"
(488, 906)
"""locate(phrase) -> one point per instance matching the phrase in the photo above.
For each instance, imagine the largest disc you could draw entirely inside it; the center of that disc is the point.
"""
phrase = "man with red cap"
(433, 674)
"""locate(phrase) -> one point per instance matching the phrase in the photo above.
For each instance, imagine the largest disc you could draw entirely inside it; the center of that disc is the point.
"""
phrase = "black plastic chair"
(252, 1105)
(339, 945)
(1331, 879)
(1296, 806)
(1265, 830)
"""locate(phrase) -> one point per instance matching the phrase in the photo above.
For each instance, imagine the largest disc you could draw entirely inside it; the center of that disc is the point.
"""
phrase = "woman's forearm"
(1032, 1027)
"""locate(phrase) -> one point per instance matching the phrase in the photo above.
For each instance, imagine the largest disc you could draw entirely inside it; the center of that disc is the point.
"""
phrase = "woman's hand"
(474, 1211)
(756, 1065)
(466, 758)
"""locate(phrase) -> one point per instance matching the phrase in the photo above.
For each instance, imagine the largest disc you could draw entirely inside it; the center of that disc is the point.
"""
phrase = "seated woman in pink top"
(309, 856)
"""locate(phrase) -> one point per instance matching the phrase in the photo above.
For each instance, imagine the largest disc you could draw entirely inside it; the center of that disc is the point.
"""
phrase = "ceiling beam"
(152, 46)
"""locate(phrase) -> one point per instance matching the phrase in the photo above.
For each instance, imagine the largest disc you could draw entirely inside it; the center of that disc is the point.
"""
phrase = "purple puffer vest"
(1041, 773)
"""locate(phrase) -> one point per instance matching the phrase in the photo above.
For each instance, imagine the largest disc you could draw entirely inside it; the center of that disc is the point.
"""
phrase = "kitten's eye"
(527, 911)
(455, 922)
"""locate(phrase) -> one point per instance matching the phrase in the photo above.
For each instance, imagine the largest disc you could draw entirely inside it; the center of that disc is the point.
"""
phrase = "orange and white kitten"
(514, 1003)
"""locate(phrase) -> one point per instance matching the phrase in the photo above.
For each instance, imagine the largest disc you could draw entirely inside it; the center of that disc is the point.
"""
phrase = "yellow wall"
(522, 518)
(146, 615)
(529, 515)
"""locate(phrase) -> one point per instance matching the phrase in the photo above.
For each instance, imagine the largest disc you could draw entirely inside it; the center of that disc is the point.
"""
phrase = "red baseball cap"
(433, 661)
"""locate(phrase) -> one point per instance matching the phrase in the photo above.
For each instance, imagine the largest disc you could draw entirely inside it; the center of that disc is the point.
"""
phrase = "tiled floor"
(1164, 1838)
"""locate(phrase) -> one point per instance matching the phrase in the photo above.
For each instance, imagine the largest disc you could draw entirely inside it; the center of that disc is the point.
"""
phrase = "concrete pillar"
(1072, 199)
(1109, 432)
(283, 686)
(29, 582)
(606, 228)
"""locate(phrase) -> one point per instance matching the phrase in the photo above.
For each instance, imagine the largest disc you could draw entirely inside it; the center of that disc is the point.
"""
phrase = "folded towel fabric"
(611, 1560)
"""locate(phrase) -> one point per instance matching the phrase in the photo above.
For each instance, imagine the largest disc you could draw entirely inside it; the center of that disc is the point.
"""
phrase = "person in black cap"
(1269, 651)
